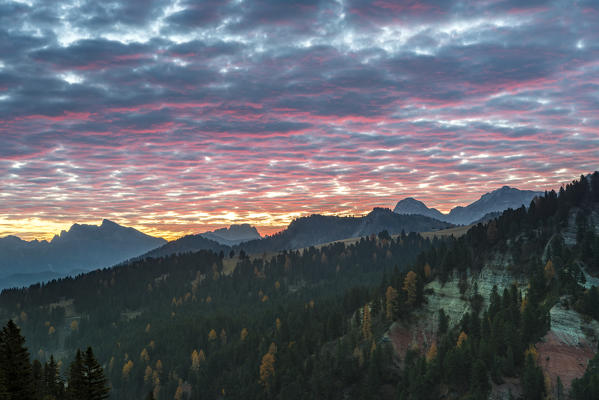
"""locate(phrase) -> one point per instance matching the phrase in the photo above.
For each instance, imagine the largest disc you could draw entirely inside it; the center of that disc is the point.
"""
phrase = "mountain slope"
(82, 247)
(186, 244)
(335, 321)
(317, 229)
(495, 201)
(411, 206)
(233, 235)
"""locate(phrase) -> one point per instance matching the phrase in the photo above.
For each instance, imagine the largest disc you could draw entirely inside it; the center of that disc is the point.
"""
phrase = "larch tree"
(432, 352)
(549, 271)
(267, 370)
(195, 361)
(410, 287)
(390, 296)
(427, 271)
(144, 356)
(148, 374)
(366, 324)
(127, 369)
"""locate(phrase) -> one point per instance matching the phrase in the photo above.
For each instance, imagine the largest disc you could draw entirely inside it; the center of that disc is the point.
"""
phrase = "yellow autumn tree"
(267, 367)
(148, 374)
(366, 324)
(158, 367)
(74, 325)
(359, 354)
(51, 330)
(148, 328)
(272, 348)
(277, 285)
(410, 286)
(244, 334)
(524, 304)
(533, 352)
(195, 361)
(212, 335)
(127, 369)
(390, 296)
(549, 271)
(432, 352)
(427, 271)
(179, 391)
(278, 324)
(202, 356)
(144, 356)
(462, 338)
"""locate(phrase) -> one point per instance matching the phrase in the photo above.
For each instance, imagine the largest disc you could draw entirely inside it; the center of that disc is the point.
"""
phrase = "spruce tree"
(96, 382)
(3, 390)
(14, 361)
(86, 378)
(53, 383)
(76, 383)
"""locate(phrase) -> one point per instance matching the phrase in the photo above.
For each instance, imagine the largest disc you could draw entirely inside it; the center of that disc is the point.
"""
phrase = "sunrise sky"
(178, 117)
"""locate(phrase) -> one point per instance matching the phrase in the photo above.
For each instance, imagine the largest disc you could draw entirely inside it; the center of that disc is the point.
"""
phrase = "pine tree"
(14, 363)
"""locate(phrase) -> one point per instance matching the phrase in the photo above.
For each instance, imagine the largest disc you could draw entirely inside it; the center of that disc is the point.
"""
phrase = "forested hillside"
(315, 323)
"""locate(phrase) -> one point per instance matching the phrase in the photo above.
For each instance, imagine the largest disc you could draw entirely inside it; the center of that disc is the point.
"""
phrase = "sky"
(178, 117)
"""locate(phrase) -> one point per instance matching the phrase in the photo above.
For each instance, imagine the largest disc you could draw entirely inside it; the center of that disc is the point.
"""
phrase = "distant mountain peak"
(108, 223)
(234, 234)
(82, 247)
(497, 200)
(411, 206)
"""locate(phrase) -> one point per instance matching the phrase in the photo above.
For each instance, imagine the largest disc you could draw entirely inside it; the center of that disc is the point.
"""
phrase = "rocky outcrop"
(568, 346)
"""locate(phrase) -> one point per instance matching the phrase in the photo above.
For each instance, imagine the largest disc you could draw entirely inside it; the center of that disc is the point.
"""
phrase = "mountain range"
(318, 229)
(493, 202)
(81, 248)
(87, 247)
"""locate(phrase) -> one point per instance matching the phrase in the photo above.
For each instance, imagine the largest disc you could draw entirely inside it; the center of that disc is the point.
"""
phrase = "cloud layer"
(179, 116)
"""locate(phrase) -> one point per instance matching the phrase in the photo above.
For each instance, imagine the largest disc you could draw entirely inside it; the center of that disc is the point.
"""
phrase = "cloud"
(179, 116)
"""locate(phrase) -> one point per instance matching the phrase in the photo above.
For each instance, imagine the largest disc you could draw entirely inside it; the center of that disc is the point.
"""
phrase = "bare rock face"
(568, 346)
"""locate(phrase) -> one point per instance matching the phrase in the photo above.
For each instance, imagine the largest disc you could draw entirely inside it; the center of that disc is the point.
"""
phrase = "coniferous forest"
(312, 323)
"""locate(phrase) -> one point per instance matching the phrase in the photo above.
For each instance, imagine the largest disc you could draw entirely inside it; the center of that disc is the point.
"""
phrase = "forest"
(311, 323)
